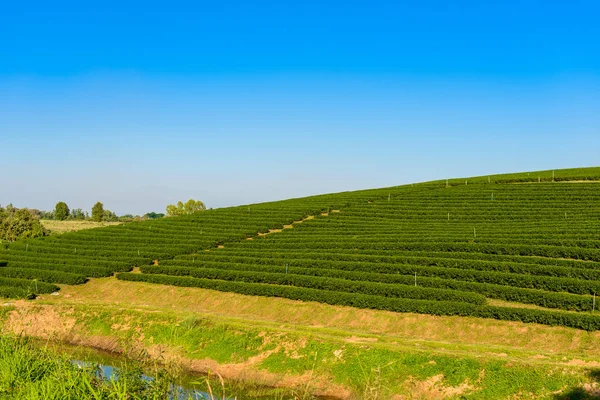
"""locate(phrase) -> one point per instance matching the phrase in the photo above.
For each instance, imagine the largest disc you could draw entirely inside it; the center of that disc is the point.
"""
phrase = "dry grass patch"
(72, 226)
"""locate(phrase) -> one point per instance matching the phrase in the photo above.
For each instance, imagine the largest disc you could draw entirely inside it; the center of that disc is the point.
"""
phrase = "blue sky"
(141, 104)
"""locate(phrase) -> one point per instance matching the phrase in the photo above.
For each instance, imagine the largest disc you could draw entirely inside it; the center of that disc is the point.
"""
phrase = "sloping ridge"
(462, 241)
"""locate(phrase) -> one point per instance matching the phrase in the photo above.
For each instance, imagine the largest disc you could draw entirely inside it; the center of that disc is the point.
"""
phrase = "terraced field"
(522, 247)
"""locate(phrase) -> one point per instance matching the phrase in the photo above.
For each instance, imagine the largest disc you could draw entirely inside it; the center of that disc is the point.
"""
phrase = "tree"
(78, 214)
(19, 224)
(173, 210)
(98, 212)
(153, 215)
(109, 216)
(61, 211)
(190, 207)
(47, 214)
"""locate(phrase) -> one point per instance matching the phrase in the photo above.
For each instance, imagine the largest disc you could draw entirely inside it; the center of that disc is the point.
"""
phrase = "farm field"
(494, 271)
(442, 248)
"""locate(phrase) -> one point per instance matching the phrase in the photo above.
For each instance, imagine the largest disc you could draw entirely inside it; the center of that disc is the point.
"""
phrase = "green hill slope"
(445, 247)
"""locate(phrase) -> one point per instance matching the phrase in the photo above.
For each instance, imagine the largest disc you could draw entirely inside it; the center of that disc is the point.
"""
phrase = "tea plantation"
(450, 247)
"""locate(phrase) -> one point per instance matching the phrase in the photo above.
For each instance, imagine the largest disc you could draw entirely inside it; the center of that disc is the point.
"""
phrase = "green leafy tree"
(175, 209)
(19, 224)
(61, 211)
(47, 214)
(192, 206)
(153, 215)
(78, 214)
(189, 207)
(109, 216)
(98, 212)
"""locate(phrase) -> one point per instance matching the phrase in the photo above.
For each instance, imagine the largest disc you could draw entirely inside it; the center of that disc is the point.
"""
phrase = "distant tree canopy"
(61, 211)
(189, 207)
(19, 224)
(47, 214)
(153, 215)
(109, 216)
(98, 212)
(78, 214)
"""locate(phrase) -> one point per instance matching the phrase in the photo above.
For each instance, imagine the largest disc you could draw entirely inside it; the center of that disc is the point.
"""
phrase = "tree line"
(24, 223)
(62, 212)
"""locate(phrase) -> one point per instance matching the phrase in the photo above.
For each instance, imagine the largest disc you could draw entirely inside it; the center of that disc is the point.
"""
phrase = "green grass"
(318, 359)
(34, 370)
(31, 372)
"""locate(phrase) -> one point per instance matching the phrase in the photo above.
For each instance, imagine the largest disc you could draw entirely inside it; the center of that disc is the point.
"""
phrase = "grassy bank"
(29, 371)
(359, 354)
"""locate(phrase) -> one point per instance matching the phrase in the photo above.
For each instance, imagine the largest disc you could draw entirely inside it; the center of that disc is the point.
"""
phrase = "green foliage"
(47, 214)
(61, 211)
(30, 372)
(153, 215)
(18, 224)
(332, 284)
(78, 214)
(109, 216)
(189, 207)
(24, 288)
(379, 272)
(98, 212)
(43, 275)
(572, 320)
(535, 243)
(93, 272)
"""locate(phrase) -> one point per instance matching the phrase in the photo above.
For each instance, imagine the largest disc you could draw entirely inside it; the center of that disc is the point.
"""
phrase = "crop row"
(575, 320)
(68, 259)
(438, 239)
(560, 300)
(549, 283)
(91, 272)
(43, 275)
(448, 229)
(514, 268)
(332, 284)
(383, 256)
(488, 248)
(32, 286)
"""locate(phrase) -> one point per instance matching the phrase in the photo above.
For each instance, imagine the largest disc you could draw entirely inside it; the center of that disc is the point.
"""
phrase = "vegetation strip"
(580, 321)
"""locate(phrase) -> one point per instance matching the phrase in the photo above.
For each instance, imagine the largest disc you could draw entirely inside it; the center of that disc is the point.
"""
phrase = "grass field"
(73, 226)
(481, 287)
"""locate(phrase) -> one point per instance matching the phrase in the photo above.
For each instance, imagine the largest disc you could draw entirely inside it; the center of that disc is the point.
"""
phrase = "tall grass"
(31, 372)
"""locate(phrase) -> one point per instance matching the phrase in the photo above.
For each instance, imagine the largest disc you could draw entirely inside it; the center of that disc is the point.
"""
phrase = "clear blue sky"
(139, 104)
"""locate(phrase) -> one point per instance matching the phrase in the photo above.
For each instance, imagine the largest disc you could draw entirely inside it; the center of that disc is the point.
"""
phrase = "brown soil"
(284, 227)
(434, 388)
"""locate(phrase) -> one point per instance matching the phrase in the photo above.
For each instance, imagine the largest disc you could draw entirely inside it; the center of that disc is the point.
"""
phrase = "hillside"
(484, 246)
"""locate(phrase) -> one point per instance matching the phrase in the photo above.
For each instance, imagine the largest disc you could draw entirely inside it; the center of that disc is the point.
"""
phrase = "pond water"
(181, 392)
